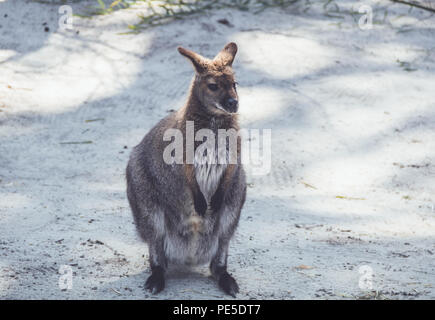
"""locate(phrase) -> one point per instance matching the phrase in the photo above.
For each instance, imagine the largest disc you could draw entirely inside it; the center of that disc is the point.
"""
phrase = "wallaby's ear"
(226, 56)
(198, 61)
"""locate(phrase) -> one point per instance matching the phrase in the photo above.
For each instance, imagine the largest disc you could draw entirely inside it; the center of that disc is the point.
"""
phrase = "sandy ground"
(351, 192)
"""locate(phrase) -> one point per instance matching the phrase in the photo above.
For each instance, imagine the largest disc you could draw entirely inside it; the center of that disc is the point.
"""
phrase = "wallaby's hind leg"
(156, 281)
(218, 268)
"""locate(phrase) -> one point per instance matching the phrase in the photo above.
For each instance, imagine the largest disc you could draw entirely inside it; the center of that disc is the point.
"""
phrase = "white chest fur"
(208, 171)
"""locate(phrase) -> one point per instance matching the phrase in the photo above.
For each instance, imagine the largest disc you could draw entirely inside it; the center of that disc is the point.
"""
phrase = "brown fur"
(217, 71)
(185, 220)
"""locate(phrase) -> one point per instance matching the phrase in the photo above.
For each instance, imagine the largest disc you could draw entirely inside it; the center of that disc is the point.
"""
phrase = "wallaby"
(188, 212)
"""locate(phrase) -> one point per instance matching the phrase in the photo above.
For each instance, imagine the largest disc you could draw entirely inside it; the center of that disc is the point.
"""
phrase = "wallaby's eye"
(212, 86)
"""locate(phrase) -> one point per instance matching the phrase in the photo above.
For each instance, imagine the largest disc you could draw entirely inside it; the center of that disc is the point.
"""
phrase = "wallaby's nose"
(232, 104)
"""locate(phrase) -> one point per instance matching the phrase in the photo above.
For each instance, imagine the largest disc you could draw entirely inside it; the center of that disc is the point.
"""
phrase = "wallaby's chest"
(208, 170)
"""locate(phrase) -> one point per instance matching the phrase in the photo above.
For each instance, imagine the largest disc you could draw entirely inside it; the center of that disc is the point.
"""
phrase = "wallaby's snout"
(214, 83)
(232, 105)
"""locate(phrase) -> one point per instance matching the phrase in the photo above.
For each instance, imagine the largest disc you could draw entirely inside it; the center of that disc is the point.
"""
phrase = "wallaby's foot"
(228, 284)
(156, 281)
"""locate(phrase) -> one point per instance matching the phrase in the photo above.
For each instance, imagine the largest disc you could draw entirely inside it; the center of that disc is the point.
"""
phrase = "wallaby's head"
(214, 85)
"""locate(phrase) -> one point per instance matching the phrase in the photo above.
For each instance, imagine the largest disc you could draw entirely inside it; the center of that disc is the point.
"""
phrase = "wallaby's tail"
(131, 195)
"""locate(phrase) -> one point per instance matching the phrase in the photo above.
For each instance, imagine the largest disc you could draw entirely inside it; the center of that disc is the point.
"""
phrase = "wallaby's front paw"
(155, 283)
(200, 205)
(217, 200)
(228, 284)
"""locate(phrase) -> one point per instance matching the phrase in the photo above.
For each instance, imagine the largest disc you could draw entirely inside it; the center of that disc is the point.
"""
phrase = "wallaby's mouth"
(227, 109)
